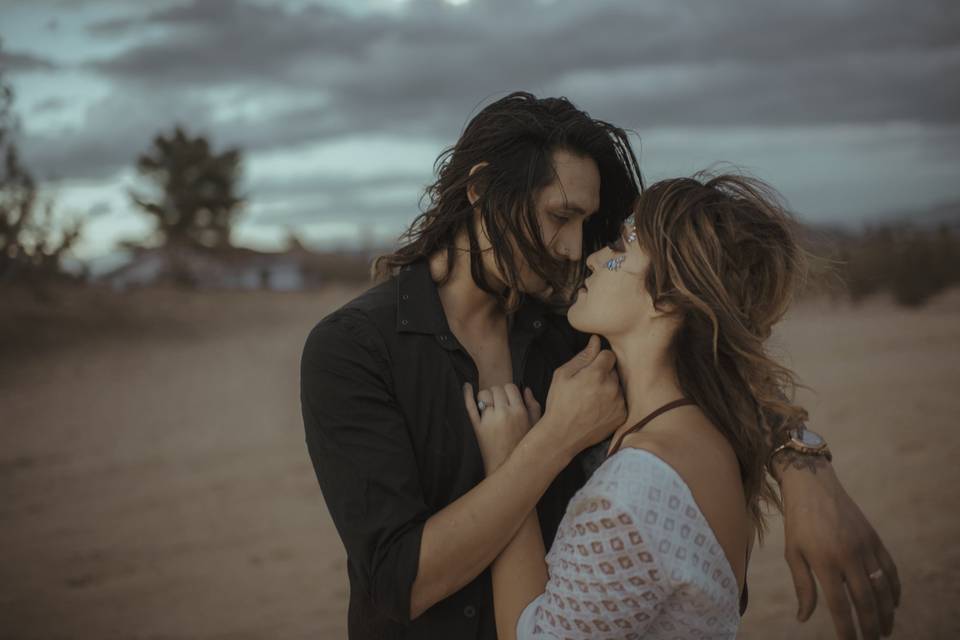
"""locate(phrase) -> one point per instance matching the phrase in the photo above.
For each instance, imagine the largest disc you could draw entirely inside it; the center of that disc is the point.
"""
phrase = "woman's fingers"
(513, 395)
(500, 398)
(471, 404)
(534, 410)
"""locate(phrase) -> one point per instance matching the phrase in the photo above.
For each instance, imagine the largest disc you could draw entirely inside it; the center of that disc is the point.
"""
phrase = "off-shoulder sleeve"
(634, 558)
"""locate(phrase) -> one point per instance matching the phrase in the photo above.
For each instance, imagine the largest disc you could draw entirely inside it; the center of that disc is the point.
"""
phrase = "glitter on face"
(613, 264)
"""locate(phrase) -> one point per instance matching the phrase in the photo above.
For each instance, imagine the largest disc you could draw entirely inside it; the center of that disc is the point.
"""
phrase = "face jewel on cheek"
(613, 264)
(631, 225)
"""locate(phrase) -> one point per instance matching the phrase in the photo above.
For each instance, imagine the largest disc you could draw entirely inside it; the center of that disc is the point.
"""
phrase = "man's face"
(562, 207)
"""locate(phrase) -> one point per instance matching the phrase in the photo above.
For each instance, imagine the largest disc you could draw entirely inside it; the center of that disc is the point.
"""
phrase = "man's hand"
(585, 403)
(827, 535)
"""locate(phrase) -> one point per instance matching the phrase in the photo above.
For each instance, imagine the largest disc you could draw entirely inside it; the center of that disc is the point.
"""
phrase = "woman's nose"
(592, 260)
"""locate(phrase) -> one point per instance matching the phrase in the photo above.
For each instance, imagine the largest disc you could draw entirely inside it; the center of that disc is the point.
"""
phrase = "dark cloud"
(378, 63)
(14, 62)
(424, 70)
(337, 188)
(50, 104)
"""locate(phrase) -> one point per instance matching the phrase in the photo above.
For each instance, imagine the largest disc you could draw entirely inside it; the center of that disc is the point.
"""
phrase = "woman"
(656, 543)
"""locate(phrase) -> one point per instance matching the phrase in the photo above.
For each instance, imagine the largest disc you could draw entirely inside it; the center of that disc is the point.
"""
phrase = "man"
(530, 187)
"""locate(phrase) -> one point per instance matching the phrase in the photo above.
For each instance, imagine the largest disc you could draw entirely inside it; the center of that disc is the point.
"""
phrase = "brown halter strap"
(682, 402)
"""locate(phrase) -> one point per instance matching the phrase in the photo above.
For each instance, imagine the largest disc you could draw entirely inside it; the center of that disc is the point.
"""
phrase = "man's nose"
(572, 242)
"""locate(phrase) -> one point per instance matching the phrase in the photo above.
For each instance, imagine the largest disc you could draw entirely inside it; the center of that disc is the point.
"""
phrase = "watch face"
(809, 438)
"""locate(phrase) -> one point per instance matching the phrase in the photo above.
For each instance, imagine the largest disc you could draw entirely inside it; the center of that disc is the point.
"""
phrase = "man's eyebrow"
(572, 208)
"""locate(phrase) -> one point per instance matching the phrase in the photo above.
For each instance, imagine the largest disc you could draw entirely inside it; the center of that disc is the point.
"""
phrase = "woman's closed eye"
(617, 245)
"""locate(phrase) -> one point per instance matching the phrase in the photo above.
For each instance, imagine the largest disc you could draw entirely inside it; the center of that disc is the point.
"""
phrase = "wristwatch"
(804, 440)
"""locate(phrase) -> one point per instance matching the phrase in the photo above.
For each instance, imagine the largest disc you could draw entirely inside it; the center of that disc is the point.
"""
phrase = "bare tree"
(29, 246)
(195, 201)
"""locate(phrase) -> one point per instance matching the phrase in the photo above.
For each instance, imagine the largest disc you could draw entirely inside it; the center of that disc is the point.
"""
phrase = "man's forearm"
(464, 538)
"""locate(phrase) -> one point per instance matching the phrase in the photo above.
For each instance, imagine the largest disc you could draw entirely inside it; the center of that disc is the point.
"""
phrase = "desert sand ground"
(154, 481)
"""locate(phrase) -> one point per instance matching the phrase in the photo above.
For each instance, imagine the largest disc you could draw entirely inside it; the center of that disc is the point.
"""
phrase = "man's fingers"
(882, 590)
(803, 584)
(582, 359)
(603, 363)
(836, 597)
(865, 600)
(471, 405)
(889, 570)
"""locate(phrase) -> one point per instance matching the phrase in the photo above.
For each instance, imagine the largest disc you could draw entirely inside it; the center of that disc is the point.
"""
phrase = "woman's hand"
(506, 418)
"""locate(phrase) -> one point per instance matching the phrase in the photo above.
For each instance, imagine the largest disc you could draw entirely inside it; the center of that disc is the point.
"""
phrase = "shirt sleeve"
(363, 458)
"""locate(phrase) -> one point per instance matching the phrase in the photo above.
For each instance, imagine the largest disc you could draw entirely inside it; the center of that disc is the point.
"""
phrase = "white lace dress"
(634, 558)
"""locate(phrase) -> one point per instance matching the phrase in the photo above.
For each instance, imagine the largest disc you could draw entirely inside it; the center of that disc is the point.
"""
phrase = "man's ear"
(472, 194)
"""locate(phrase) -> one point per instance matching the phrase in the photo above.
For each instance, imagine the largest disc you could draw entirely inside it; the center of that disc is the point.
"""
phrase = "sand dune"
(154, 482)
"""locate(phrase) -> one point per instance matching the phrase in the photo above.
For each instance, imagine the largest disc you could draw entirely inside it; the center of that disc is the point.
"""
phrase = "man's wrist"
(798, 449)
(788, 462)
(548, 438)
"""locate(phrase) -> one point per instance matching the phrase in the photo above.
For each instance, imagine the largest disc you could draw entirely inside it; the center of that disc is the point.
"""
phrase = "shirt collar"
(418, 302)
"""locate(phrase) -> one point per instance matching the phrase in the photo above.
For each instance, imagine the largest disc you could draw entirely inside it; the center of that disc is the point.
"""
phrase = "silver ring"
(876, 575)
(481, 405)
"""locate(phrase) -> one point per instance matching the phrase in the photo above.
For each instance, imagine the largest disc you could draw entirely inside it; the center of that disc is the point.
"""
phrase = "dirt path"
(156, 485)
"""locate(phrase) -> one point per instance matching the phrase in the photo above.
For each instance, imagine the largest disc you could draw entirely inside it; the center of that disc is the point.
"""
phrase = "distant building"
(237, 268)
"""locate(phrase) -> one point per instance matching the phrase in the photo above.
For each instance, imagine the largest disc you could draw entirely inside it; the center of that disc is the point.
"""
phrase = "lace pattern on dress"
(634, 558)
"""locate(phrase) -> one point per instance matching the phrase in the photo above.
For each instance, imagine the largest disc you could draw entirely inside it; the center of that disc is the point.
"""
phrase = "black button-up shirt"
(391, 442)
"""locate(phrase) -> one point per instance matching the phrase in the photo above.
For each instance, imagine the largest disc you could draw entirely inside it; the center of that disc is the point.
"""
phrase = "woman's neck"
(648, 377)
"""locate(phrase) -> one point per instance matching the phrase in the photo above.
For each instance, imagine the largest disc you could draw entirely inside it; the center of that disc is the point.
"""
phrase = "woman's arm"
(519, 576)
(584, 406)
(462, 539)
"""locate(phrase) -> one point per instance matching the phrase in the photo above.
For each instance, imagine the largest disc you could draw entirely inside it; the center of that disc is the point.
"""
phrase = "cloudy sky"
(850, 107)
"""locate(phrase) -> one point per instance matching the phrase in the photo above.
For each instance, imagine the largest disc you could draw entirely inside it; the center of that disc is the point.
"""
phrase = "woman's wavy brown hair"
(724, 256)
(513, 140)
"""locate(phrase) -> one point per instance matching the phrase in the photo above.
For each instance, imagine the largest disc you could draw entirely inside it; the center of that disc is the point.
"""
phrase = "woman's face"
(614, 299)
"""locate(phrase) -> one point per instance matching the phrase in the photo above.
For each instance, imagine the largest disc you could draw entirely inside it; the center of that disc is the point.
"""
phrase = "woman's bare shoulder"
(707, 464)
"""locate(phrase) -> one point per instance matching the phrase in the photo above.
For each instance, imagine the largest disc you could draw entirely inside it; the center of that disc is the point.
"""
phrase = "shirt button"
(403, 322)
(405, 297)
(443, 336)
(537, 324)
(469, 611)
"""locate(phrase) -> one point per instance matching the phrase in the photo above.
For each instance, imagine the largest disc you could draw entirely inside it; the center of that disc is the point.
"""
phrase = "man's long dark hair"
(513, 141)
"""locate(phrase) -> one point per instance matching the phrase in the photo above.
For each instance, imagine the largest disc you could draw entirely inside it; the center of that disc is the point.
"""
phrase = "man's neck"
(465, 304)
